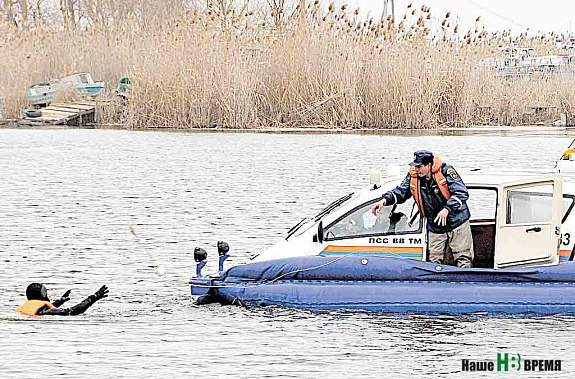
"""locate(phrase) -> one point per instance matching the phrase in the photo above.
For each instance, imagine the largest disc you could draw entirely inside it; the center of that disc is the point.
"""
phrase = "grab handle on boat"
(199, 268)
(223, 249)
(535, 229)
(200, 256)
(222, 260)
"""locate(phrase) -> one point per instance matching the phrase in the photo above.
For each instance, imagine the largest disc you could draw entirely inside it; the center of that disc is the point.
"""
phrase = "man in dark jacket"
(441, 197)
(39, 304)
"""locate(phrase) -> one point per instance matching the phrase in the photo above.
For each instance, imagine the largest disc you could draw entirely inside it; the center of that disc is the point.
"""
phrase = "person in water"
(441, 197)
(39, 304)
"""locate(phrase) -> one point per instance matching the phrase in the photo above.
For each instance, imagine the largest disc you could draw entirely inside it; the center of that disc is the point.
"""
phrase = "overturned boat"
(346, 258)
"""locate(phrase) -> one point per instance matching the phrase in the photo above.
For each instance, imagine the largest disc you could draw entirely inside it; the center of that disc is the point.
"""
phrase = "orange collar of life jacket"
(31, 307)
(437, 175)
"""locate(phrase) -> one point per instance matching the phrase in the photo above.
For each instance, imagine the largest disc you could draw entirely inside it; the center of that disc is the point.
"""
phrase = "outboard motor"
(200, 256)
(223, 249)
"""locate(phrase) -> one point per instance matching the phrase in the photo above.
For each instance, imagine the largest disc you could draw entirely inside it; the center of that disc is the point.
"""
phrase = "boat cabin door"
(529, 222)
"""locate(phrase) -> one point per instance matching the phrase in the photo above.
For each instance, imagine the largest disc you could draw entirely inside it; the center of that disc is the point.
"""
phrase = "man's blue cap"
(420, 155)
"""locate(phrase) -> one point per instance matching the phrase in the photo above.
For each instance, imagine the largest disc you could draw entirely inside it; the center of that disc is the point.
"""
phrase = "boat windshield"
(322, 213)
(332, 206)
(297, 227)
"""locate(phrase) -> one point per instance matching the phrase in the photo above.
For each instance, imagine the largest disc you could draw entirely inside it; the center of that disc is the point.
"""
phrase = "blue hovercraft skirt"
(377, 283)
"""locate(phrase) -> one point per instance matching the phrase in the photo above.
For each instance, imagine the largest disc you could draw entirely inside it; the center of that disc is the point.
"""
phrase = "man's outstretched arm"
(78, 308)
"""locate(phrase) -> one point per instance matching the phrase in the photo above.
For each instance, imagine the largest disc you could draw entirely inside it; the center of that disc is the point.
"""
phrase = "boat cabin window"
(360, 222)
(530, 205)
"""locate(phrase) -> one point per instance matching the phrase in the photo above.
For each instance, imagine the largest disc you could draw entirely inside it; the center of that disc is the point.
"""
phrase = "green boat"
(124, 88)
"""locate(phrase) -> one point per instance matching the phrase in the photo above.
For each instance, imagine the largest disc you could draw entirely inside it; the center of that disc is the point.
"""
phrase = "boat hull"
(44, 94)
(391, 285)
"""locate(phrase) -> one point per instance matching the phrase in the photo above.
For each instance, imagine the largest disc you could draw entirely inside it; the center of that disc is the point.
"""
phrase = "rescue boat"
(344, 257)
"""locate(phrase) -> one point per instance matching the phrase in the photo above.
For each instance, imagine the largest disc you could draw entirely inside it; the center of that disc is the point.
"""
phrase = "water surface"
(69, 196)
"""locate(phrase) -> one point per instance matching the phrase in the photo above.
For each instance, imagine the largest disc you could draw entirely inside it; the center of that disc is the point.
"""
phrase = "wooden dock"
(77, 113)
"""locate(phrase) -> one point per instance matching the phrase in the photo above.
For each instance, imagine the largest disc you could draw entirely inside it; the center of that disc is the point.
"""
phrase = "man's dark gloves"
(100, 294)
(65, 297)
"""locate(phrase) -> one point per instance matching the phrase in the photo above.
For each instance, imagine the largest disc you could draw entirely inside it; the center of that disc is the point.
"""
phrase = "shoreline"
(472, 130)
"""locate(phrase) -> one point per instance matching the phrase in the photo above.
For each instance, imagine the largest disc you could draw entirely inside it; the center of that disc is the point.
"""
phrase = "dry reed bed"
(338, 71)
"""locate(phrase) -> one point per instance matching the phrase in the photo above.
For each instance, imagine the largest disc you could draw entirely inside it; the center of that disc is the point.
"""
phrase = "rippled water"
(69, 196)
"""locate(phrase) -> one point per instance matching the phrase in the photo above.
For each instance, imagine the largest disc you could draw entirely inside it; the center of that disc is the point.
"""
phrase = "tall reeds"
(250, 70)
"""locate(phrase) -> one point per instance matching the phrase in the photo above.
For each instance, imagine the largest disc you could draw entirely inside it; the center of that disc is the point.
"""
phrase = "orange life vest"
(437, 175)
(31, 307)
